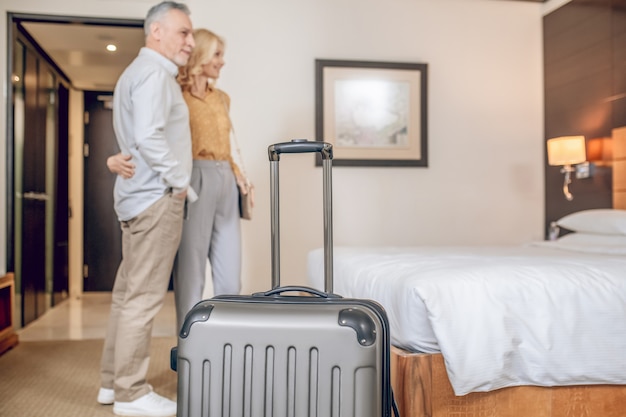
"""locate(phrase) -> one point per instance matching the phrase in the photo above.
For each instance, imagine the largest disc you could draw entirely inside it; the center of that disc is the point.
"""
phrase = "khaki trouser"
(149, 244)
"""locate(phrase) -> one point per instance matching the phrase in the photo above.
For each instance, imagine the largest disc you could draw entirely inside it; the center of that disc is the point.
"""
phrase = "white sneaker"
(150, 405)
(106, 396)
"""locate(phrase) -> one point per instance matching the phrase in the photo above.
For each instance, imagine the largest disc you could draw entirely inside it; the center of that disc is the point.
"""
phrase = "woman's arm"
(120, 164)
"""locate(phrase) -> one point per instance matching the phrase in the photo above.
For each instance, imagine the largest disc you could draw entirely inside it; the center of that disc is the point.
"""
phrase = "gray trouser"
(149, 243)
(211, 229)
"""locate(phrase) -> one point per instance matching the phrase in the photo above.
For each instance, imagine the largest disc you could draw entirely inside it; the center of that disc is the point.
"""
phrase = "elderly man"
(151, 123)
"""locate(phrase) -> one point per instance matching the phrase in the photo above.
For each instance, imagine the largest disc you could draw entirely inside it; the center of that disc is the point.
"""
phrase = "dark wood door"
(34, 196)
(103, 237)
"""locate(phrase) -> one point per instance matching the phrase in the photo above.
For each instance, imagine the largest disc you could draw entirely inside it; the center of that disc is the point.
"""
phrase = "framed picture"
(373, 113)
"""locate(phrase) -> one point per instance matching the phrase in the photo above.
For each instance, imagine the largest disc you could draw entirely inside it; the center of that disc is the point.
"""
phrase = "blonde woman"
(212, 225)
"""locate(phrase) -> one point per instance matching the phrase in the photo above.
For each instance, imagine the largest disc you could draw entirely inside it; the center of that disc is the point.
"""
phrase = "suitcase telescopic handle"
(326, 152)
(300, 146)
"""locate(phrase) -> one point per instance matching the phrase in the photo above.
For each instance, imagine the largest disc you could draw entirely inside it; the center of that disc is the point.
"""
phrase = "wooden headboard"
(619, 168)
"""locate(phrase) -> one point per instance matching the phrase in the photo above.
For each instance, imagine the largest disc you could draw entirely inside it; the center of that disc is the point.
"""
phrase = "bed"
(531, 330)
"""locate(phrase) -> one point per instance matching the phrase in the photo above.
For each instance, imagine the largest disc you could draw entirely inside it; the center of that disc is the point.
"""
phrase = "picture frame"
(373, 113)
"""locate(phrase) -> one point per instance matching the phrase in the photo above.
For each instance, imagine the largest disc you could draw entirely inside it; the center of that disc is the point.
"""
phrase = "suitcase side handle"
(297, 288)
(300, 146)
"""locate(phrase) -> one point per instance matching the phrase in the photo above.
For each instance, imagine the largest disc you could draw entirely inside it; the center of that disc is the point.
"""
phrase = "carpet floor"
(61, 378)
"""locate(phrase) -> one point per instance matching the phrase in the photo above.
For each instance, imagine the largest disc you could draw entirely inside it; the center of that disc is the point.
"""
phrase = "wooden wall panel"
(585, 92)
(619, 168)
(619, 66)
(619, 175)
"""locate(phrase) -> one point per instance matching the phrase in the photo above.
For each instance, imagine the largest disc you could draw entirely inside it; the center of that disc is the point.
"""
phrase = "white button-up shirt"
(151, 123)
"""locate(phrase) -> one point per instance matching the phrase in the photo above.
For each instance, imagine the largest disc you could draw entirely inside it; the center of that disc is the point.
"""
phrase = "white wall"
(484, 183)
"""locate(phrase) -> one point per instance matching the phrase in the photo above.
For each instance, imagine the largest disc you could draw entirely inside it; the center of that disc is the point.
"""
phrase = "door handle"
(32, 195)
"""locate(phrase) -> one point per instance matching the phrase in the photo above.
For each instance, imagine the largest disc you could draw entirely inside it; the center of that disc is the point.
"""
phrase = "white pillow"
(592, 239)
(599, 221)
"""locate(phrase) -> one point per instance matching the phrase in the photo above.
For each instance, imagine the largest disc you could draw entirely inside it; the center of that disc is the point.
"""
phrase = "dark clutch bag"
(245, 205)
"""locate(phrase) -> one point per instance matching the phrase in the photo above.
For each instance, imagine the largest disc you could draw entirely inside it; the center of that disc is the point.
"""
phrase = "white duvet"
(501, 316)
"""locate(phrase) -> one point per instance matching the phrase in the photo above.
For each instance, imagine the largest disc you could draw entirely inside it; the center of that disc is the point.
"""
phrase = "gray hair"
(158, 11)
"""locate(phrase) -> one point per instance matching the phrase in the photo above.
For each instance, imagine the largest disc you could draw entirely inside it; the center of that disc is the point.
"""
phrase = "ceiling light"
(111, 47)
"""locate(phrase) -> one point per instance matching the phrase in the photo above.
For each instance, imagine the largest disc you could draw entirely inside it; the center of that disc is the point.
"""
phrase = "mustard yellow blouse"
(210, 127)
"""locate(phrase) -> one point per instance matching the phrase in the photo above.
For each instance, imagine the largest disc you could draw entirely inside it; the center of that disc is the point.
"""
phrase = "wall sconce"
(567, 151)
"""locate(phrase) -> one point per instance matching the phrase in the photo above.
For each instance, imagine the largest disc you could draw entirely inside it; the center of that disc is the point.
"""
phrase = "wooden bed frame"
(422, 388)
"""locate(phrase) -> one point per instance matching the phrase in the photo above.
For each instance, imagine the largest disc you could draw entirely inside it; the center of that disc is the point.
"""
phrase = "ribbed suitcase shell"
(278, 355)
(284, 356)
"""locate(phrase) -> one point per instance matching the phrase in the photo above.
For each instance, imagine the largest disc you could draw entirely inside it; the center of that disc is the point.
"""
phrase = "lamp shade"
(566, 150)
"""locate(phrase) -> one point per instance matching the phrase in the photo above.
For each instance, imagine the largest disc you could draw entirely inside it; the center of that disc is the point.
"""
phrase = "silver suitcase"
(288, 352)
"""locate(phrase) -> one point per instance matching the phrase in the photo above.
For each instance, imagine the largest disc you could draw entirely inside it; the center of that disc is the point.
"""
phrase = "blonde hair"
(207, 43)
